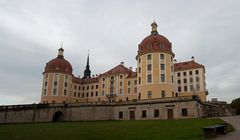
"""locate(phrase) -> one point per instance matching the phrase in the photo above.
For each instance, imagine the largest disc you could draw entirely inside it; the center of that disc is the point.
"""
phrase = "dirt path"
(235, 121)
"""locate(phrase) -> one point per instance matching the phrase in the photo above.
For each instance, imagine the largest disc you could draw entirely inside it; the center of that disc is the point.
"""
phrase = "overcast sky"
(31, 32)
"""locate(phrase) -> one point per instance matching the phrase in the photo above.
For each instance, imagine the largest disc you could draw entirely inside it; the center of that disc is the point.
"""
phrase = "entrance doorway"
(170, 113)
(58, 117)
(132, 115)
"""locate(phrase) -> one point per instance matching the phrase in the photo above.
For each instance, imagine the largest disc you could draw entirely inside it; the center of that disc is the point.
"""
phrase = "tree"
(236, 105)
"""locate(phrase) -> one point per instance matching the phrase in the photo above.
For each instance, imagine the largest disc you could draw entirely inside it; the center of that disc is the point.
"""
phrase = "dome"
(155, 43)
(58, 65)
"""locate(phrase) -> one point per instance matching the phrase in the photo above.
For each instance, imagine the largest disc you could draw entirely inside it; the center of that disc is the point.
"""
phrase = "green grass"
(109, 130)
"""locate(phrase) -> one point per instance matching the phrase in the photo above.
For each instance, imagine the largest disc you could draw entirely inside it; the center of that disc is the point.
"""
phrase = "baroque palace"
(158, 75)
(159, 88)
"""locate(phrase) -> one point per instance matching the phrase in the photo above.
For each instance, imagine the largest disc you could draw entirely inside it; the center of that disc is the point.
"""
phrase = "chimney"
(192, 58)
(130, 68)
(175, 61)
(122, 63)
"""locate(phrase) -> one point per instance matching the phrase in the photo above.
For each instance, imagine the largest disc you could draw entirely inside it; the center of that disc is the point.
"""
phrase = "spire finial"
(87, 71)
(154, 28)
(60, 51)
(61, 44)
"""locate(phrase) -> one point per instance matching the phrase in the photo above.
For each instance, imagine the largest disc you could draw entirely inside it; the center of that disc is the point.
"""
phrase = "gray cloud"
(31, 32)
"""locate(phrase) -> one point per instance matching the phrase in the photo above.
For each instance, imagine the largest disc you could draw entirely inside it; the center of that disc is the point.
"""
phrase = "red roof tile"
(187, 65)
(118, 69)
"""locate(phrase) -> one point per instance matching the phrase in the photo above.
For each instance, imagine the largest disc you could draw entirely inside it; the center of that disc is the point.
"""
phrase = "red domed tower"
(57, 79)
(155, 66)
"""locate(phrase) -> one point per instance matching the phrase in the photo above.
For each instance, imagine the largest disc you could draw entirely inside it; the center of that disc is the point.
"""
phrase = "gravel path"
(235, 121)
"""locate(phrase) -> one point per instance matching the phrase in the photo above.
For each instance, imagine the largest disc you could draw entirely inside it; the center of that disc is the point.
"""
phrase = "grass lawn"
(109, 130)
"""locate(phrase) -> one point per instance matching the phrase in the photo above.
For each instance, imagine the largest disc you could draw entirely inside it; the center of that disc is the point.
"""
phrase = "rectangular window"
(191, 88)
(179, 89)
(112, 78)
(139, 70)
(87, 87)
(103, 85)
(163, 93)
(83, 88)
(149, 94)
(120, 83)
(162, 56)
(79, 88)
(197, 79)
(162, 67)
(139, 80)
(83, 95)
(87, 94)
(75, 87)
(65, 92)
(191, 80)
(128, 90)
(149, 57)
(135, 82)
(179, 81)
(185, 88)
(135, 90)
(55, 83)
(185, 80)
(190, 72)
(103, 94)
(121, 76)
(156, 113)
(139, 60)
(161, 45)
(54, 91)
(120, 91)
(149, 67)
(129, 83)
(162, 77)
(197, 87)
(178, 74)
(184, 112)
(91, 94)
(75, 94)
(144, 114)
(96, 94)
(45, 84)
(149, 78)
(184, 73)
(96, 86)
(92, 86)
(120, 115)
(79, 95)
(196, 72)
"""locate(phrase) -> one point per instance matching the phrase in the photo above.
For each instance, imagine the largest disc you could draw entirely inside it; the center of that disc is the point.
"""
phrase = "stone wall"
(102, 111)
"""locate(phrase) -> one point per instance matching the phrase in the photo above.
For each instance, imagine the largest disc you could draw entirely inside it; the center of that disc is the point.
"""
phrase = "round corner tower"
(57, 79)
(155, 66)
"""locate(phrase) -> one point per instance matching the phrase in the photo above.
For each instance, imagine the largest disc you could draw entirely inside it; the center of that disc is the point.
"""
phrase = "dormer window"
(161, 45)
(149, 46)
